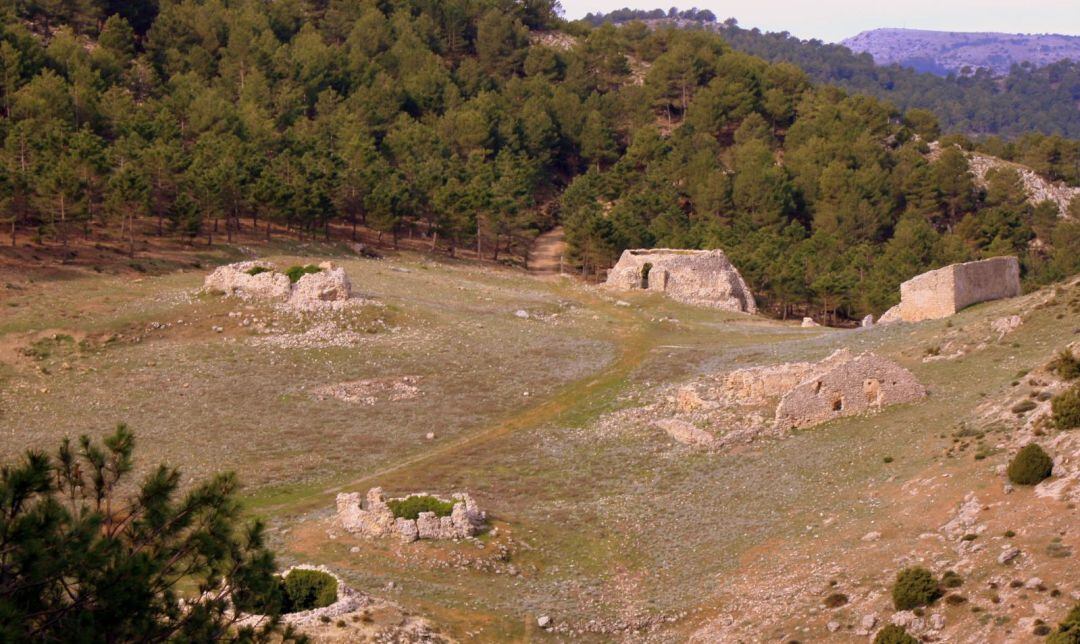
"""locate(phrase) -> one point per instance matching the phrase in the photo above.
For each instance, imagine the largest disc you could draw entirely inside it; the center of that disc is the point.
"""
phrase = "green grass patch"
(411, 506)
(294, 273)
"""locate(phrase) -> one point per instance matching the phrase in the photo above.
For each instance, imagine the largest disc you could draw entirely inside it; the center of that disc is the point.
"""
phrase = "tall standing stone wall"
(942, 292)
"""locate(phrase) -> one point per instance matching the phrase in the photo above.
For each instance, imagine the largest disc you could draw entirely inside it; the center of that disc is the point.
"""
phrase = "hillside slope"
(1018, 101)
(602, 522)
(949, 52)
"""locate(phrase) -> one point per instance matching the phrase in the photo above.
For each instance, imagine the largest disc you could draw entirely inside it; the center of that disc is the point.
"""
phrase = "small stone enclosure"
(329, 288)
(698, 277)
(374, 518)
(943, 292)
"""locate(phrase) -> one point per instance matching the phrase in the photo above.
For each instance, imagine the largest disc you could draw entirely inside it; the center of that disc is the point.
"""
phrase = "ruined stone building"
(698, 277)
(943, 292)
(371, 516)
(847, 387)
(724, 409)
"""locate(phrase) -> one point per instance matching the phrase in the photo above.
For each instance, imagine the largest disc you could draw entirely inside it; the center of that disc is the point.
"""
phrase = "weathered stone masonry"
(943, 292)
(374, 518)
(698, 277)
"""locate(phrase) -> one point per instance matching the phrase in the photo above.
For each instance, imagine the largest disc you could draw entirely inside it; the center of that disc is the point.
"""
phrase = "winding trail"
(546, 254)
(634, 341)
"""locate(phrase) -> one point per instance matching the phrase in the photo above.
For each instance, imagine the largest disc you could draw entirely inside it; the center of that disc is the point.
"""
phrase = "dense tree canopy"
(459, 122)
(86, 557)
(977, 103)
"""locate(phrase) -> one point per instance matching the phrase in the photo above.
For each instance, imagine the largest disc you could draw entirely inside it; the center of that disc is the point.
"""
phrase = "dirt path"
(634, 343)
(545, 256)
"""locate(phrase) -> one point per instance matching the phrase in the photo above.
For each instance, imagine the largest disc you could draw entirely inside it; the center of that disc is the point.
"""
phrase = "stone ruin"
(374, 518)
(697, 277)
(734, 407)
(846, 387)
(329, 287)
(942, 292)
(348, 600)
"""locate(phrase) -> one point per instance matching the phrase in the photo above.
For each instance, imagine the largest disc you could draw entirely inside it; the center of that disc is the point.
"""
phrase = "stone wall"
(726, 409)
(698, 277)
(942, 292)
(329, 287)
(863, 384)
(374, 518)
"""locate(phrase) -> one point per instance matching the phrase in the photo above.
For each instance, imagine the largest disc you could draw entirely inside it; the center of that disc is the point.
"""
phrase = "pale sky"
(834, 20)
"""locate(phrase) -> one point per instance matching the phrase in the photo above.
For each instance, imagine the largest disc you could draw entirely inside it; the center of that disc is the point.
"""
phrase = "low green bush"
(1066, 365)
(308, 589)
(949, 579)
(1030, 465)
(893, 634)
(296, 272)
(1024, 406)
(1068, 632)
(256, 270)
(914, 587)
(1066, 409)
(411, 506)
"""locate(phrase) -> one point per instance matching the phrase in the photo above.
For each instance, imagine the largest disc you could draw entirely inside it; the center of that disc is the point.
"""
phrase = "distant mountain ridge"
(950, 52)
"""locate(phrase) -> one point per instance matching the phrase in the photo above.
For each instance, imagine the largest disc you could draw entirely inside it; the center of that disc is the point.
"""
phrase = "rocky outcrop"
(1038, 189)
(942, 292)
(698, 277)
(864, 384)
(374, 518)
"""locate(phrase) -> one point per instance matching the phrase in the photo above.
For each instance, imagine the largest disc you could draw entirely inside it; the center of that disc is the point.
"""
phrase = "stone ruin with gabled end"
(698, 277)
(733, 407)
(329, 287)
(864, 384)
(373, 517)
(942, 292)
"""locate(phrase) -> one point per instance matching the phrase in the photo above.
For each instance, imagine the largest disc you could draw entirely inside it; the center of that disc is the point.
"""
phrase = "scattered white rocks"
(1006, 325)
(866, 624)
(1010, 553)
(372, 391)
(543, 621)
(965, 519)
